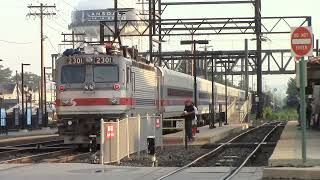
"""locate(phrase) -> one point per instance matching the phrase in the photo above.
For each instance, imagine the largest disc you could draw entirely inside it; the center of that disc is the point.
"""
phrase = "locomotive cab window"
(105, 73)
(73, 74)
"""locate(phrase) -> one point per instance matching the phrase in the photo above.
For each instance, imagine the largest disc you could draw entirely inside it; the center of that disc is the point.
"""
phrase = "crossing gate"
(127, 136)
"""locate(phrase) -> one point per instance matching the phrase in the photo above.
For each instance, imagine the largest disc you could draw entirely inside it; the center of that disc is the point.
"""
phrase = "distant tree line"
(31, 80)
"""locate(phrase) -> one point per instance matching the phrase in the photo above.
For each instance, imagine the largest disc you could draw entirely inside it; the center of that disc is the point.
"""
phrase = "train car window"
(203, 95)
(73, 74)
(105, 73)
(179, 92)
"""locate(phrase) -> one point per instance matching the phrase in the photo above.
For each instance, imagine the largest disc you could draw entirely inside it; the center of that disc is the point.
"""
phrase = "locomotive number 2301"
(95, 60)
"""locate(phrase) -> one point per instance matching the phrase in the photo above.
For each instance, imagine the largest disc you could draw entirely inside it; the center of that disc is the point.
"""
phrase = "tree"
(30, 80)
(292, 93)
(5, 75)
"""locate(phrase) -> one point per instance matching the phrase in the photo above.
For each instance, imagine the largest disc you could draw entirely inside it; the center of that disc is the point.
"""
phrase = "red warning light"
(116, 87)
(61, 88)
(158, 125)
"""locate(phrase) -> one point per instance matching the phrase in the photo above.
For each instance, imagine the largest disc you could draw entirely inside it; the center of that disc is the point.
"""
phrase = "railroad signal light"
(151, 145)
(158, 123)
(116, 87)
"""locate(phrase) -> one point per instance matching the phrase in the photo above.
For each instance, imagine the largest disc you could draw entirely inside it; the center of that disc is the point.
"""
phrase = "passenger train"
(114, 83)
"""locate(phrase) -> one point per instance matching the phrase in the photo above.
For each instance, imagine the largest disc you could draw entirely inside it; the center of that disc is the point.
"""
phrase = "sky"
(20, 35)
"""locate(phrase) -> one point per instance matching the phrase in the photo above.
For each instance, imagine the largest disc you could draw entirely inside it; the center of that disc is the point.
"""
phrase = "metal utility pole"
(22, 94)
(67, 41)
(195, 75)
(226, 91)
(116, 28)
(17, 88)
(73, 44)
(258, 56)
(42, 11)
(212, 96)
(150, 21)
(317, 47)
(246, 68)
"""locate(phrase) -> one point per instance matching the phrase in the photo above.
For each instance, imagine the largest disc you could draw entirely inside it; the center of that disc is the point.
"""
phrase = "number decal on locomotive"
(75, 60)
(95, 60)
(103, 60)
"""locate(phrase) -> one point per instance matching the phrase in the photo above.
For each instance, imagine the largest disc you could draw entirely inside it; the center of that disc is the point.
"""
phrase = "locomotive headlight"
(114, 101)
(66, 102)
(86, 87)
(91, 87)
(69, 123)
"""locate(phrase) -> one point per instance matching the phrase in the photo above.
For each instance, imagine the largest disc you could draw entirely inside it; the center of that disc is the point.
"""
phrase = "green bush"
(283, 114)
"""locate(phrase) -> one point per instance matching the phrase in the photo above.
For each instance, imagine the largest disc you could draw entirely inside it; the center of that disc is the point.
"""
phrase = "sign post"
(302, 45)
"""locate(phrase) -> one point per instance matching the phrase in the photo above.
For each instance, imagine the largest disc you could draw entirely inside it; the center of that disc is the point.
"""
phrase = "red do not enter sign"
(301, 41)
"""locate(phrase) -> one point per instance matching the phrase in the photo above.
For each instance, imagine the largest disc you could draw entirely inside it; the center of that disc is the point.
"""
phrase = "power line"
(14, 42)
(64, 27)
(66, 21)
(69, 4)
(53, 28)
(52, 45)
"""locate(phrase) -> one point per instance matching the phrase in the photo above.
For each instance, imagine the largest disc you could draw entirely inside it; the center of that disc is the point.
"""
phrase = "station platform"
(77, 171)
(27, 134)
(205, 134)
(286, 160)
(288, 150)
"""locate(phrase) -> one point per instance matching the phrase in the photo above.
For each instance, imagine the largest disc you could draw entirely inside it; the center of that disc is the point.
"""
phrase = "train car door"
(130, 85)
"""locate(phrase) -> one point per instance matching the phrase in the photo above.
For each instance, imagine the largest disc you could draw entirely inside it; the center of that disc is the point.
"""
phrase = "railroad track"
(248, 140)
(43, 151)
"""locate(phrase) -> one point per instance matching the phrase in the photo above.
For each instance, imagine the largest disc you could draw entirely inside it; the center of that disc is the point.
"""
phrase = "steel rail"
(36, 157)
(232, 173)
(69, 158)
(214, 150)
(41, 143)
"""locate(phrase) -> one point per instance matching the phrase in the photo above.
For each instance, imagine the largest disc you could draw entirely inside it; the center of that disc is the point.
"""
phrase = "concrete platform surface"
(97, 172)
(205, 134)
(26, 134)
(291, 173)
(288, 150)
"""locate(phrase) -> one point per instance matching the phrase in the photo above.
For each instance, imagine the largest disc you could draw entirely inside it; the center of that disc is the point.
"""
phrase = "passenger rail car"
(115, 85)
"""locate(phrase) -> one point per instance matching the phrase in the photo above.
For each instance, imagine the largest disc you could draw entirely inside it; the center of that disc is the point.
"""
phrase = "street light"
(22, 94)
(212, 108)
(193, 42)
